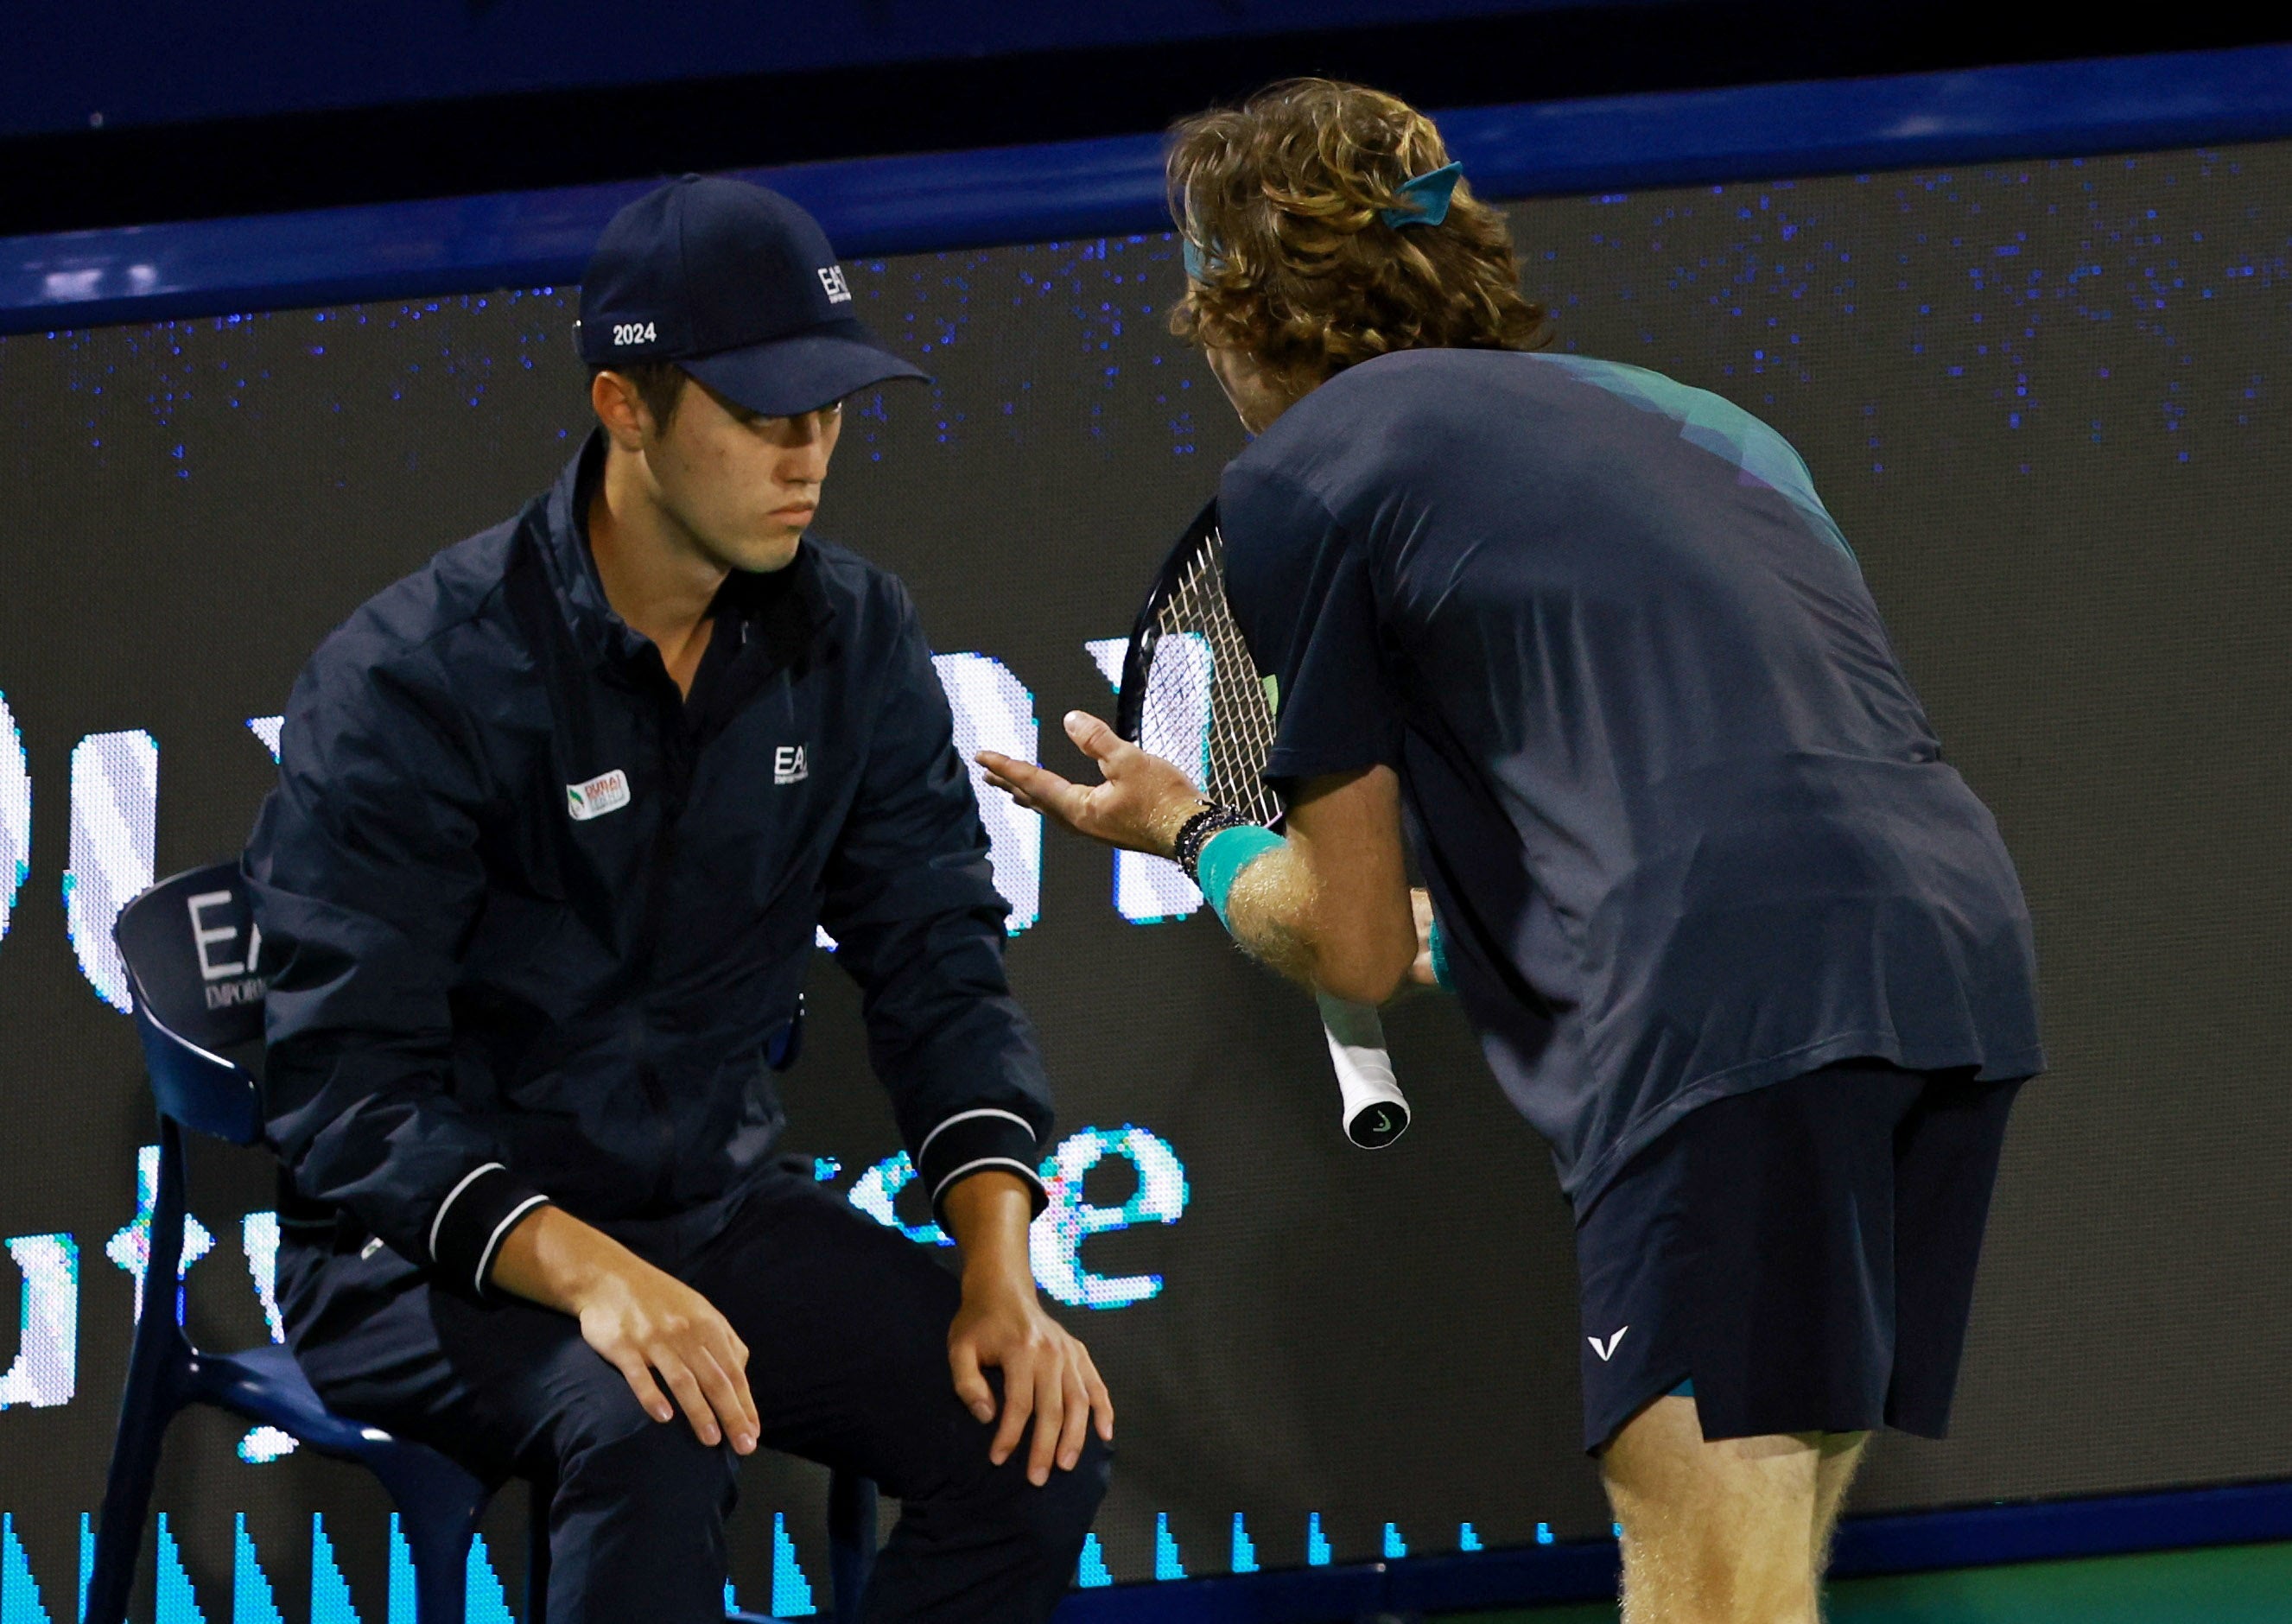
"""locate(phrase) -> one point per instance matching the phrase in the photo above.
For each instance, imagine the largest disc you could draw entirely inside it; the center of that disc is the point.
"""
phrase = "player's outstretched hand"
(1140, 806)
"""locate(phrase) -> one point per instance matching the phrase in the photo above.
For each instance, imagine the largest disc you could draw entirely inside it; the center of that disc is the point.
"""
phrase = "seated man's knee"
(625, 1455)
(1061, 1512)
(1051, 1519)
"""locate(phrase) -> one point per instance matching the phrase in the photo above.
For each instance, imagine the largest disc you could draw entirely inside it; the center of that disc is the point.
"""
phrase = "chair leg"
(126, 1506)
(158, 1364)
(851, 1540)
(438, 1508)
(537, 1552)
(440, 1548)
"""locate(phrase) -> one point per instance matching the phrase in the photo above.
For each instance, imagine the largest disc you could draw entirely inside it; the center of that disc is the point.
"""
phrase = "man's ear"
(620, 409)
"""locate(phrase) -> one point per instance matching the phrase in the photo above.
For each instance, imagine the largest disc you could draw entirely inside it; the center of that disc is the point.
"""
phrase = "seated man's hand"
(1047, 1376)
(646, 1323)
(1047, 1373)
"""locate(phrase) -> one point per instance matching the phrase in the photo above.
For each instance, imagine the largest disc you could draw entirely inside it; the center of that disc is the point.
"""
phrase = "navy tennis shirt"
(1682, 818)
(535, 922)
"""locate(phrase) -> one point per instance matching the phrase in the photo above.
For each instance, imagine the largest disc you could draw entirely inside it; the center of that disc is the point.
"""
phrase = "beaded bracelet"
(1195, 832)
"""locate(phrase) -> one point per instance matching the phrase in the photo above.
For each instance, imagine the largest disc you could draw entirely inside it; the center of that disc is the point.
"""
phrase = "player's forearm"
(553, 1259)
(1282, 916)
(1269, 911)
(988, 1213)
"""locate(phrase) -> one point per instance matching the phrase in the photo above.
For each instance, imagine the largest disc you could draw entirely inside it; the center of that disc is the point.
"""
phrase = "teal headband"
(1427, 197)
(1425, 201)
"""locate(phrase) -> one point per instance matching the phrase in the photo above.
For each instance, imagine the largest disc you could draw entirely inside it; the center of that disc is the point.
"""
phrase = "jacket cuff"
(467, 1229)
(974, 1142)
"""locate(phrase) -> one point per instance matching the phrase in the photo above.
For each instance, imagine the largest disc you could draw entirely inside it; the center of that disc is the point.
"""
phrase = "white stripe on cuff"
(486, 1257)
(467, 1179)
(1033, 1178)
(964, 1116)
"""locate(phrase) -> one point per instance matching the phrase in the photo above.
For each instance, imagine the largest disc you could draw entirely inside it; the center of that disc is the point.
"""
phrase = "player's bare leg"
(1841, 1454)
(1732, 1532)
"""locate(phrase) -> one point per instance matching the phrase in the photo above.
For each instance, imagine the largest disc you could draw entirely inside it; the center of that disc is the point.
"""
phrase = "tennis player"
(1735, 938)
(557, 818)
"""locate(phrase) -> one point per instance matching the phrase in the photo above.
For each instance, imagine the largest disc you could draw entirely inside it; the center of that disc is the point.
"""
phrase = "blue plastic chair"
(187, 945)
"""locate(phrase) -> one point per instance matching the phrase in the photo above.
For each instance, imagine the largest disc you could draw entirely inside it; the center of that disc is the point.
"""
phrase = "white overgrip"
(1376, 1110)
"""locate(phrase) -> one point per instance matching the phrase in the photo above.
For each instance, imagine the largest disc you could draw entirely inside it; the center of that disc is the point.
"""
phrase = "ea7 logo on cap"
(831, 277)
(607, 792)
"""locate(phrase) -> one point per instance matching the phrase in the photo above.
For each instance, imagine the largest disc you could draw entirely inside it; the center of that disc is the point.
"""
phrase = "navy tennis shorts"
(1803, 1255)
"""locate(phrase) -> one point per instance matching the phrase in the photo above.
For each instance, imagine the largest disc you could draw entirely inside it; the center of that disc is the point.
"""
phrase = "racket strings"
(1211, 695)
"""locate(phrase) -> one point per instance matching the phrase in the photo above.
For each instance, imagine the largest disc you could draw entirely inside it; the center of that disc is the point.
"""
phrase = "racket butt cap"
(1377, 1124)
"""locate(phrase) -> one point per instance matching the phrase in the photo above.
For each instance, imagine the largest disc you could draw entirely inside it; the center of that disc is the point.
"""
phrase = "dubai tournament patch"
(607, 792)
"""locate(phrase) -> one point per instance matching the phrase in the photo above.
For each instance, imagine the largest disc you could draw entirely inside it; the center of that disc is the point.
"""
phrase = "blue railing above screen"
(67, 66)
(1032, 194)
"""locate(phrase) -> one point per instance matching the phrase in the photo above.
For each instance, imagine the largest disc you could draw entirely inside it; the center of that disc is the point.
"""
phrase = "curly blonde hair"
(1281, 201)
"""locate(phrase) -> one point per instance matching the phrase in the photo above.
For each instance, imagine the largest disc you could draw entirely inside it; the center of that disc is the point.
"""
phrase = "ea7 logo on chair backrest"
(191, 943)
(222, 925)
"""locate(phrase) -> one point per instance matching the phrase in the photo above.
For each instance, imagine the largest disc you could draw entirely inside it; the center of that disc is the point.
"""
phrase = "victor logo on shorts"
(1607, 1352)
(607, 792)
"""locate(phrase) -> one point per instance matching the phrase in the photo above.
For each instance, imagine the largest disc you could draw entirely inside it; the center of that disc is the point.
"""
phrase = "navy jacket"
(533, 921)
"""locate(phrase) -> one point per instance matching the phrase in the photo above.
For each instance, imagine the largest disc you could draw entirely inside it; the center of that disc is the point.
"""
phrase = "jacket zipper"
(676, 779)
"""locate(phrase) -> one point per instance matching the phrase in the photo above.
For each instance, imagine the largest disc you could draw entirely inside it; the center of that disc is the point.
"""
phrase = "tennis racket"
(1191, 695)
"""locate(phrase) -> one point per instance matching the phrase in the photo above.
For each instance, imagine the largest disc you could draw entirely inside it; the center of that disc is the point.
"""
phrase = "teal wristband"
(1438, 939)
(1224, 855)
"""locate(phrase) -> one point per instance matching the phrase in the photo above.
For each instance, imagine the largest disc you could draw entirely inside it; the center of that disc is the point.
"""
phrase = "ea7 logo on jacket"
(789, 765)
(607, 792)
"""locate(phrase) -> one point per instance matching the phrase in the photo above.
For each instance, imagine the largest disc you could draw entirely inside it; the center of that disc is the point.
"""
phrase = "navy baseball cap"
(736, 285)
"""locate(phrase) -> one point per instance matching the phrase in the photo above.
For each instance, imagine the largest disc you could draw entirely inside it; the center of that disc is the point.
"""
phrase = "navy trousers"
(846, 1326)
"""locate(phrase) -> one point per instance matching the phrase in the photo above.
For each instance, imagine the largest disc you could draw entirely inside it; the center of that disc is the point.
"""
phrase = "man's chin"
(765, 554)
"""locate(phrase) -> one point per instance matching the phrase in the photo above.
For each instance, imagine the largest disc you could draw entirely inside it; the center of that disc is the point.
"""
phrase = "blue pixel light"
(791, 1590)
(1317, 1544)
(485, 1602)
(1245, 1554)
(330, 1592)
(1167, 1564)
(20, 1592)
(401, 1576)
(176, 1602)
(1091, 1572)
(251, 1600)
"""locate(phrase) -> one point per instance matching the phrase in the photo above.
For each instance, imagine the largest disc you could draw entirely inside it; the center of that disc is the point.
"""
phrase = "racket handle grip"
(1376, 1110)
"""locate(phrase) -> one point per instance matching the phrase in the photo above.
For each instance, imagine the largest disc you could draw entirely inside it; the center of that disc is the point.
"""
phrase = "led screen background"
(2045, 404)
